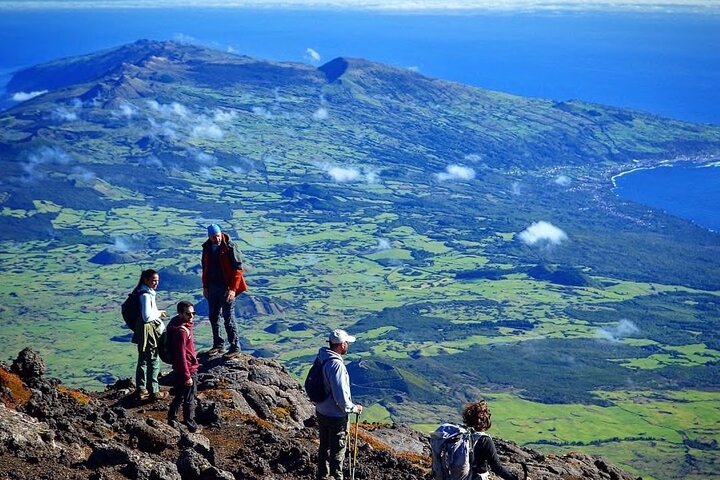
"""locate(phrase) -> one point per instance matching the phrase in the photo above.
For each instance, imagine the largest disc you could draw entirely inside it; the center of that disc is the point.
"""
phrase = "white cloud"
(473, 157)
(312, 55)
(127, 110)
(165, 129)
(44, 156)
(414, 68)
(344, 174)
(320, 114)
(62, 114)
(223, 116)
(383, 244)
(171, 109)
(562, 180)
(372, 176)
(207, 129)
(456, 172)
(543, 233)
(624, 328)
(23, 96)
(82, 174)
(262, 112)
(516, 188)
(205, 159)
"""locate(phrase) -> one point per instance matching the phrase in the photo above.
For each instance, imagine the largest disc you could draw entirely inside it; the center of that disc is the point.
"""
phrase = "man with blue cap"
(222, 280)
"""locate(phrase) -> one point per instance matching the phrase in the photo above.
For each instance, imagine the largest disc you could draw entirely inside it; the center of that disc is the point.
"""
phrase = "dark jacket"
(230, 263)
(182, 339)
(486, 458)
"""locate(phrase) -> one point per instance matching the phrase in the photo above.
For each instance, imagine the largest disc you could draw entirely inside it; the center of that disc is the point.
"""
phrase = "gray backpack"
(452, 452)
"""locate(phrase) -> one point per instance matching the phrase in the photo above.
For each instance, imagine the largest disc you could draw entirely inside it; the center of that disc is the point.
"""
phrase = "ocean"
(667, 64)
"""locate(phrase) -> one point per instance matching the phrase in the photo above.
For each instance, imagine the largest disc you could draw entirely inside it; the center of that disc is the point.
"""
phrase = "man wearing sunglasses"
(185, 366)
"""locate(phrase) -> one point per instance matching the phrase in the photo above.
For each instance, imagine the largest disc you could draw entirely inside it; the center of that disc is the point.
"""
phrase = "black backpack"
(315, 382)
(130, 309)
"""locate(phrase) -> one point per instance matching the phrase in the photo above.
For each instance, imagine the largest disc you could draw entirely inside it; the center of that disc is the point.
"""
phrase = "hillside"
(469, 238)
(257, 425)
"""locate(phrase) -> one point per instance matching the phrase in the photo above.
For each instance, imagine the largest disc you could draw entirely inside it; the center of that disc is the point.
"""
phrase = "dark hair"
(144, 275)
(183, 305)
(477, 415)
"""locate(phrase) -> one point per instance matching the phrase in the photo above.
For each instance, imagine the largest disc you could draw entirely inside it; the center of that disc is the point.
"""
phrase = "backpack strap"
(474, 438)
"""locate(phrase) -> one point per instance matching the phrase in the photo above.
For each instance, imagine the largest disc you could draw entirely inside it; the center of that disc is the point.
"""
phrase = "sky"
(384, 5)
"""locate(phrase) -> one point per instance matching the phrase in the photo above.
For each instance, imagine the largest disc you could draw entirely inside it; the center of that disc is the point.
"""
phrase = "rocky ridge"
(257, 425)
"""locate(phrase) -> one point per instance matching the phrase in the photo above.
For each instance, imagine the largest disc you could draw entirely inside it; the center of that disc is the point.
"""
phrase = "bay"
(687, 191)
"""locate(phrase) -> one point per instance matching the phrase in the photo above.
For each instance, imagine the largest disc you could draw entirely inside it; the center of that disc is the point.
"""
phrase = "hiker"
(146, 336)
(476, 416)
(332, 413)
(222, 280)
(184, 365)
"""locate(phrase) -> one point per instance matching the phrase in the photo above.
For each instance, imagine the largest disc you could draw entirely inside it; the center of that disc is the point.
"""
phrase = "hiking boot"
(174, 424)
(194, 428)
(232, 353)
(142, 394)
(154, 397)
(216, 350)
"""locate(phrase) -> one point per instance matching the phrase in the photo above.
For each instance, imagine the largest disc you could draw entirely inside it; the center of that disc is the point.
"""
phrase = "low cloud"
(207, 129)
(542, 233)
(173, 109)
(383, 244)
(126, 110)
(223, 116)
(344, 174)
(38, 159)
(262, 112)
(23, 96)
(312, 55)
(82, 174)
(456, 172)
(624, 328)
(204, 159)
(62, 114)
(320, 114)
(473, 157)
(563, 180)
(122, 244)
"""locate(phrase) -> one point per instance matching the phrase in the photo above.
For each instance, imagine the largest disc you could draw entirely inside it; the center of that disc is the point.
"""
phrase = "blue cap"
(214, 229)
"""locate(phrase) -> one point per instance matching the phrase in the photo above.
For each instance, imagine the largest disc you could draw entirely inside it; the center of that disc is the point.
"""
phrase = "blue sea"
(663, 63)
(687, 191)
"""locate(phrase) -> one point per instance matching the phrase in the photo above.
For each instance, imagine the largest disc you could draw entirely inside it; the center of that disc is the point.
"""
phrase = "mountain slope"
(470, 238)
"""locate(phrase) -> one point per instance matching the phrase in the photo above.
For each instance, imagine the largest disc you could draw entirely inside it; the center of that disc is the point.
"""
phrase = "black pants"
(187, 396)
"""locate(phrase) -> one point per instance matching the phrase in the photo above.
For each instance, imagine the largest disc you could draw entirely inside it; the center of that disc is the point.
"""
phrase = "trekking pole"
(354, 460)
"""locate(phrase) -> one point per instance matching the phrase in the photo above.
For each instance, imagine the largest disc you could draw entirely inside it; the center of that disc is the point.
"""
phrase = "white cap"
(340, 336)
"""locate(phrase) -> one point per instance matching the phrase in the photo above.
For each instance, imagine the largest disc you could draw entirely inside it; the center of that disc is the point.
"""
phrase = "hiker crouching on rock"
(476, 415)
(332, 413)
(146, 336)
(222, 280)
(185, 366)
